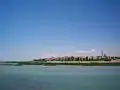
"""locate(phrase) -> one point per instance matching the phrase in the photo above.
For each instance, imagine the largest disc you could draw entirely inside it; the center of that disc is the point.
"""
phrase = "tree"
(92, 58)
(77, 59)
(35, 60)
(80, 58)
(72, 58)
(86, 58)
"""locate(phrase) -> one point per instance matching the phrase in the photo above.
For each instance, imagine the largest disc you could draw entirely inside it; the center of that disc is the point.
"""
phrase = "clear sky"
(38, 28)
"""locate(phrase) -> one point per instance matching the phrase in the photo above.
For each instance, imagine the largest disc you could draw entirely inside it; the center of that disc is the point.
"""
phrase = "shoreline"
(55, 63)
(66, 64)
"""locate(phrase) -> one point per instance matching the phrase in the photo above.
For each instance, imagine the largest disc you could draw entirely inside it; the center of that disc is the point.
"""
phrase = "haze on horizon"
(39, 28)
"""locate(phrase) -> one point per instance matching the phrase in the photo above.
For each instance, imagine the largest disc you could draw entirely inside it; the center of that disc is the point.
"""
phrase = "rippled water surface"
(59, 78)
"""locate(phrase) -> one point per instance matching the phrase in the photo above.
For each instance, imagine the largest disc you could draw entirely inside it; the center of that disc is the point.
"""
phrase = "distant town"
(102, 60)
(102, 57)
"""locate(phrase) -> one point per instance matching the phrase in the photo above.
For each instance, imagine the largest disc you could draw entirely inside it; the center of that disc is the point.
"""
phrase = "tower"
(102, 54)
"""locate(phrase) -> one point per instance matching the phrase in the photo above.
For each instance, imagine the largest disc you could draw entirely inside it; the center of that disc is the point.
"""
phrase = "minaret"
(102, 54)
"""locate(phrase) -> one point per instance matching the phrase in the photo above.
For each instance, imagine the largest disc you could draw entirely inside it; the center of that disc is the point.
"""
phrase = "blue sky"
(36, 28)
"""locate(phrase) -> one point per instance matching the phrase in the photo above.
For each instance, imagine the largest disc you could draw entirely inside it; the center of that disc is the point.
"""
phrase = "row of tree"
(72, 58)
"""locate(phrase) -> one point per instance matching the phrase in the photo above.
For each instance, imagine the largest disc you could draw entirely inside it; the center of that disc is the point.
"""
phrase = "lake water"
(59, 78)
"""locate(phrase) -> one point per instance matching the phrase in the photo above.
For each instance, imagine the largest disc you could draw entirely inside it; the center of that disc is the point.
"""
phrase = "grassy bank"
(54, 63)
(65, 63)
(85, 64)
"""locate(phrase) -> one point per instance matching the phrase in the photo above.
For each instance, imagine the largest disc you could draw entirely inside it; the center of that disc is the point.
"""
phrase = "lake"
(59, 77)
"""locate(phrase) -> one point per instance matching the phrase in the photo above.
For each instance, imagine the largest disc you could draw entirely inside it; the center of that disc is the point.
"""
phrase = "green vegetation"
(85, 64)
(64, 63)
(81, 61)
